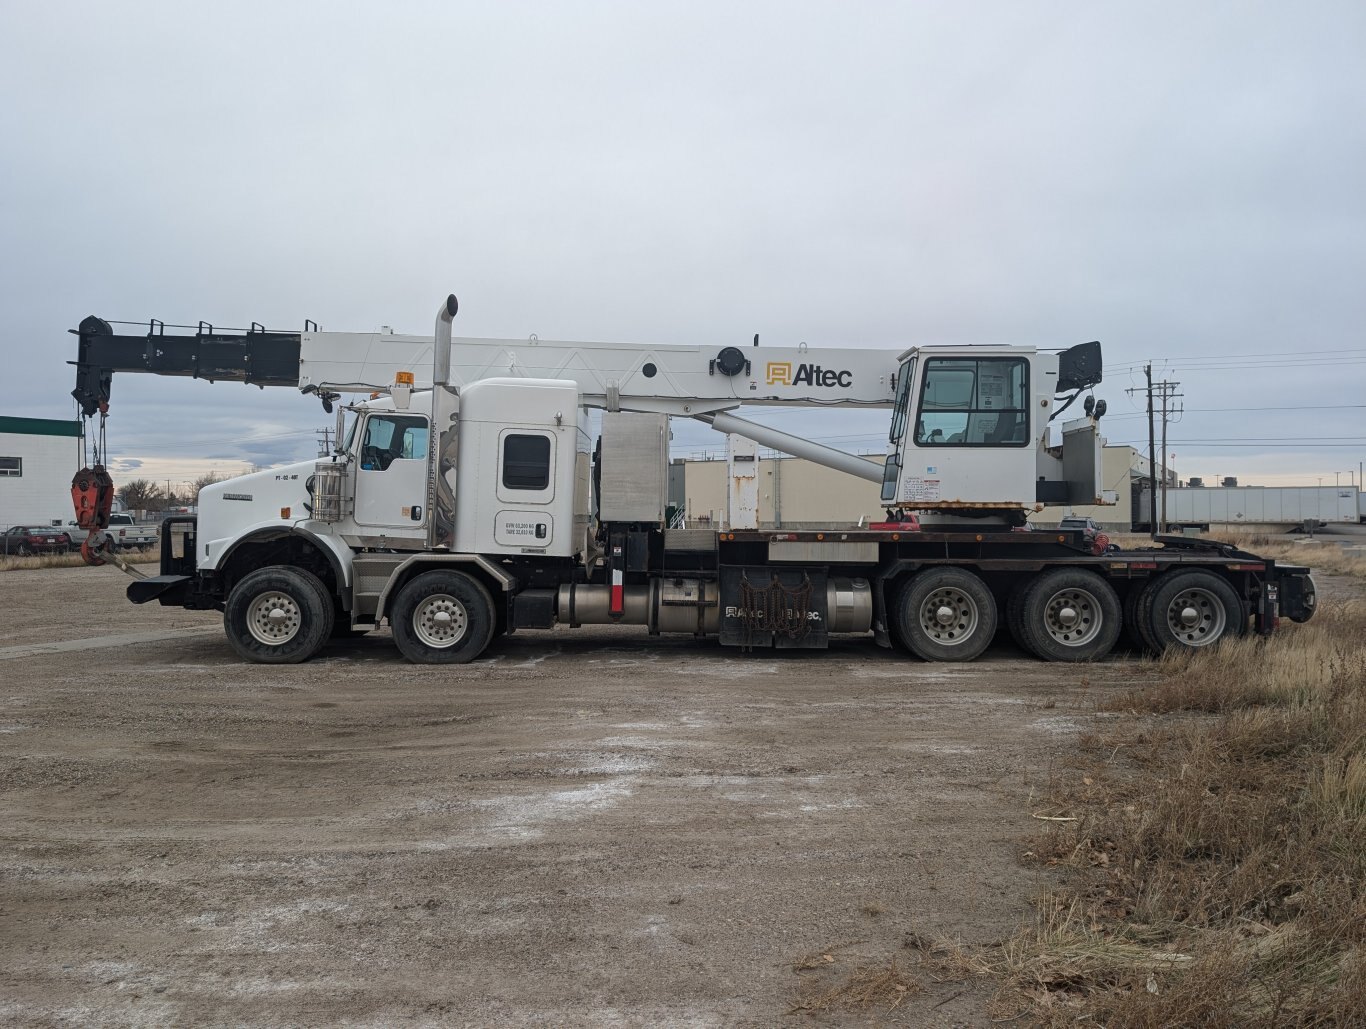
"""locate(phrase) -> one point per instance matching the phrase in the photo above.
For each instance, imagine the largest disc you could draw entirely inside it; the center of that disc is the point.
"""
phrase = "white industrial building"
(38, 457)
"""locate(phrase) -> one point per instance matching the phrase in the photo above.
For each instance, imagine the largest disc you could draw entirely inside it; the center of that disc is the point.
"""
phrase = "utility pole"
(1152, 455)
(1169, 393)
(1152, 458)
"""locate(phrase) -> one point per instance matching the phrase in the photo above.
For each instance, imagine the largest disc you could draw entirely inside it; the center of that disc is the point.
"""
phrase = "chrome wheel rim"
(1196, 617)
(1072, 617)
(274, 618)
(949, 616)
(440, 621)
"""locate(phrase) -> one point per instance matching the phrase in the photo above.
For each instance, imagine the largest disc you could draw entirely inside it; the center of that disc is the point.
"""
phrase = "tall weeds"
(1220, 849)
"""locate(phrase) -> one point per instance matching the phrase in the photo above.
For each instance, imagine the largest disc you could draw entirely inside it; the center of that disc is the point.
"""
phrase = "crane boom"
(667, 379)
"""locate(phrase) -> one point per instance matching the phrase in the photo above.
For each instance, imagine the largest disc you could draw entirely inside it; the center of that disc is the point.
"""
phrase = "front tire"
(1070, 614)
(278, 615)
(442, 617)
(946, 614)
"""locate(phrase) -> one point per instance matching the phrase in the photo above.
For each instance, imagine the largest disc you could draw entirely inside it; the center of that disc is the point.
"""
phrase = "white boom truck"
(476, 504)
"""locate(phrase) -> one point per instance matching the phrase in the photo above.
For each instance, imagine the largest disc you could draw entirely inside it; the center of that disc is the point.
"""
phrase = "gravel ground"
(583, 828)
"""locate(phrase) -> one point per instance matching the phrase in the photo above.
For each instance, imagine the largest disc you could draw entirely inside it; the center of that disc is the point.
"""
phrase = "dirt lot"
(583, 828)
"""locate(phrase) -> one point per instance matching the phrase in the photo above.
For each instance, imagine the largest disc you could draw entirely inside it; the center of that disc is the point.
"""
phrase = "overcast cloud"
(1181, 181)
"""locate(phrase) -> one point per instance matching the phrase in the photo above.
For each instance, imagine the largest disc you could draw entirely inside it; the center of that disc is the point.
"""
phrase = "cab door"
(391, 471)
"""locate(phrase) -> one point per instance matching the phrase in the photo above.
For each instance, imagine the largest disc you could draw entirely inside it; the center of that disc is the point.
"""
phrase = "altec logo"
(780, 373)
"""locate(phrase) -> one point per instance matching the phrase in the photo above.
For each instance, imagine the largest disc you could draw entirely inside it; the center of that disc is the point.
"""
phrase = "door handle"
(417, 512)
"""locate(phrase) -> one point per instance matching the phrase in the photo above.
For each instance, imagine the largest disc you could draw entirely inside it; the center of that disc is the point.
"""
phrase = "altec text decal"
(780, 373)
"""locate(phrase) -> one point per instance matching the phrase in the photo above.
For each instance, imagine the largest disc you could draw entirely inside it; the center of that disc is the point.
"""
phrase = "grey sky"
(1181, 181)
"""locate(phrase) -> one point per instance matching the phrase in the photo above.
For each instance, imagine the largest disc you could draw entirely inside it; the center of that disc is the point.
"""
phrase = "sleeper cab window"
(526, 462)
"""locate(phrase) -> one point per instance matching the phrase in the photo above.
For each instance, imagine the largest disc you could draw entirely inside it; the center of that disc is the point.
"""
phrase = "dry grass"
(1218, 858)
(864, 984)
(10, 563)
(882, 985)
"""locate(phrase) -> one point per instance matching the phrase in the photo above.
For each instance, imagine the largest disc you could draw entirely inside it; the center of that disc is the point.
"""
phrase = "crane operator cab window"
(974, 402)
(389, 438)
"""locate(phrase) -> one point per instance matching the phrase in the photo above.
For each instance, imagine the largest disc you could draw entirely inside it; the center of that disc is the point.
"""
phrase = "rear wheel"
(946, 614)
(278, 615)
(442, 617)
(1191, 610)
(1070, 614)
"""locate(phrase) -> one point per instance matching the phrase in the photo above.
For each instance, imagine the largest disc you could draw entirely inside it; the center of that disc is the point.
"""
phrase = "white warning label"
(916, 489)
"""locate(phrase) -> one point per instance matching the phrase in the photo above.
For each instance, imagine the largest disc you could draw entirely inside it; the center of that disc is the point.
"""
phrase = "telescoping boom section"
(472, 497)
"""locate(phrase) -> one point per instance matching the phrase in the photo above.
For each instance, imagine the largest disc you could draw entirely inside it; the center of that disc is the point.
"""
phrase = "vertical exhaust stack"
(441, 350)
(442, 452)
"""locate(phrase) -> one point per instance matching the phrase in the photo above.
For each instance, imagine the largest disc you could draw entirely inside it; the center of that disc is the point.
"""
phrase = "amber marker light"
(284, 512)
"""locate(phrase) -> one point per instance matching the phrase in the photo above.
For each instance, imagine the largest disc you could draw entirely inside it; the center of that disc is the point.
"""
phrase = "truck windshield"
(352, 420)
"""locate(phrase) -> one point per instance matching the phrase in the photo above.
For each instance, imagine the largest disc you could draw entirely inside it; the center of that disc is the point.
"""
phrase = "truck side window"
(392, 437)
(974, 402)
(526, 462)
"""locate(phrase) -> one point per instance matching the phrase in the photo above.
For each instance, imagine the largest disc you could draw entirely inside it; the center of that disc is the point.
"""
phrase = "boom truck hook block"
(465, 502)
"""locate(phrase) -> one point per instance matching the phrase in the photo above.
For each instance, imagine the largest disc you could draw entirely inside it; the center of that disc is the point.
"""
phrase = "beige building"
(793, 494)
(797, 494)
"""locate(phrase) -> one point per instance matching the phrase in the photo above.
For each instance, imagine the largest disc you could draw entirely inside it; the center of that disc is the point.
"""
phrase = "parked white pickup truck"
(124, 531)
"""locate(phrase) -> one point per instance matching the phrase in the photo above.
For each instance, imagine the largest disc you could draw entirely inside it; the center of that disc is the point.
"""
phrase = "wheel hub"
(949, 616)
(440, 621)
(1196, 617)
(1073, 617)
(274, 618)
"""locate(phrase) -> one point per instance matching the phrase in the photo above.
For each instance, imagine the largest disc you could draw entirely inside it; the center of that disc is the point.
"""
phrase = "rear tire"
(946, 614)
(442, 617)
(1015, 615)
(1192, 610)
(278, 615)
(1130, 632)
(1070, 614)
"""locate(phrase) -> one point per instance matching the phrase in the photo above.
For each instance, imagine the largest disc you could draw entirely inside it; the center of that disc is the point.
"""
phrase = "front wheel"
(1069, 614)
(946, 614)
(442, 617)
(278, 615)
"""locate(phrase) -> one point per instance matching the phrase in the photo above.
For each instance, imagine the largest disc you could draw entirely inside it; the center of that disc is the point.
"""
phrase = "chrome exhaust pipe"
(441, 352)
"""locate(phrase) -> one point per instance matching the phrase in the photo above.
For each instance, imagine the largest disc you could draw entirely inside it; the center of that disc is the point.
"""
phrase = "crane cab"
(970, 432)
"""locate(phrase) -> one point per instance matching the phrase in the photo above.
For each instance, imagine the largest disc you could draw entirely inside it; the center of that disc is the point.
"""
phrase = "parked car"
(125, 532)
(1086, 525)
(35, 539)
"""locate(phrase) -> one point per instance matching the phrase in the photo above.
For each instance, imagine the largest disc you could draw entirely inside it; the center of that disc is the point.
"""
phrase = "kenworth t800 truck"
(467, 498)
